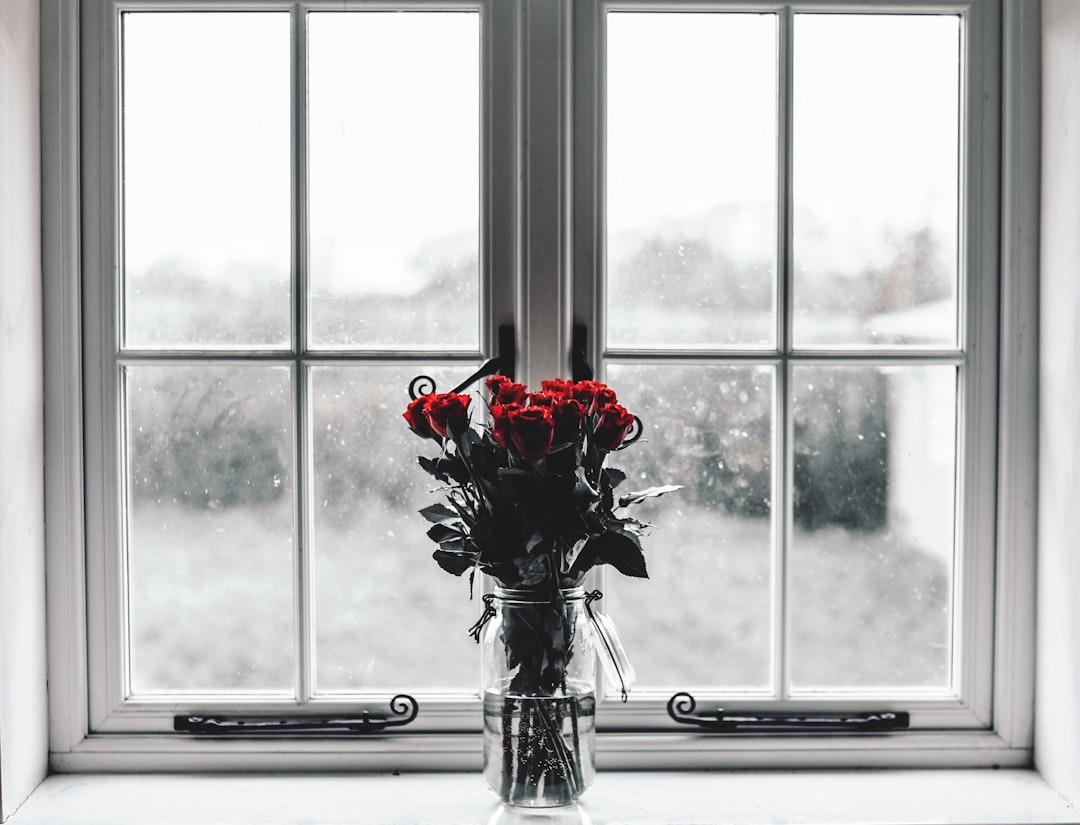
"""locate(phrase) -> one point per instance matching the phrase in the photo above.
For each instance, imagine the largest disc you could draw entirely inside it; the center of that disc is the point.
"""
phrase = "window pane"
(876, 179)
(387, 616)
(209, 528)
(206, 180)
(394, 176)
(710, 556)
(691, 180)
(871, 562)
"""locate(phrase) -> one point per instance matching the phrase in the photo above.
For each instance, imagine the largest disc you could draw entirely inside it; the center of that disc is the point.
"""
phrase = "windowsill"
(908, 797)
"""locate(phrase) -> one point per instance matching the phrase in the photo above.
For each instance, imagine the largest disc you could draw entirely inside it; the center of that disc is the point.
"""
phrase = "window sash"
(550, 218)
(111, 705)
(973, 628)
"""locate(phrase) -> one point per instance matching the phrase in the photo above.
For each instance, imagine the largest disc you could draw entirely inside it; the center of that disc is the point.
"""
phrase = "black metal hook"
(681, 707)
(502, 364)
(403, 709)
(580, 368)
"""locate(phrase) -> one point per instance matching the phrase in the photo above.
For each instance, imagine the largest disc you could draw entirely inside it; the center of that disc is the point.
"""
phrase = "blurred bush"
(208, 437)
(710, 428)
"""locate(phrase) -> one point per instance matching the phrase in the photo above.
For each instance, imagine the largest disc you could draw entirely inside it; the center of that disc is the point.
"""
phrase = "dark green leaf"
(438, 513)
(443, 532)
(454, 545)
(615, 477)
(652, 492)
(532, 535)
(583, 490)
(431, 465)
(532, 569)
(518, 485)
(456, 563)
(574, 553)
(561, 460)
(623, 552)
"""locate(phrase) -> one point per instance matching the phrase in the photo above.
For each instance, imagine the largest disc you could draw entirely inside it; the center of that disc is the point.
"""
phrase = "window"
(778, 226)
(298, 233)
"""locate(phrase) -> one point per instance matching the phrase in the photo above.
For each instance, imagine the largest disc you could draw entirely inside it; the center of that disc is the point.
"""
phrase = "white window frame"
(550, 228)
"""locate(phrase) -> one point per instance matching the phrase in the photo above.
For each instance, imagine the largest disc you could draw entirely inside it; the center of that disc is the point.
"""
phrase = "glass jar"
(539, 689)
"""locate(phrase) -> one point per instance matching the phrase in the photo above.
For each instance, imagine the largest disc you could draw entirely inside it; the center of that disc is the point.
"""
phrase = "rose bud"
(559, 387)
(568, 413)
(500, 423)
(504, 391)
(613, 422)
(493, 384)
(540, 399)
(417, 421)
(594, 394)
(531, 431)
(447, 413)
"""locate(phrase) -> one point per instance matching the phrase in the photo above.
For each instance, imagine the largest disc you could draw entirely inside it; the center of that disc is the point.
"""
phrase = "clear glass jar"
(539, 684)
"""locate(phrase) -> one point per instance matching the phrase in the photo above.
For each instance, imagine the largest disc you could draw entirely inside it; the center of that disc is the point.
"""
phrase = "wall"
(1057, 729)
(23, 717)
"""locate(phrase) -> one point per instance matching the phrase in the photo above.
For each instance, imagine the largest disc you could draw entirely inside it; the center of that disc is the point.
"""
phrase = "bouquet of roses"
(531, 502)
(529, 499)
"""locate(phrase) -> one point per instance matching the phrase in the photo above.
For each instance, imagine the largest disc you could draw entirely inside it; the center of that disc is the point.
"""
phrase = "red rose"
(568, 413)
(613, 422)
(504, 391)
(414, 415)
(531, 431)
(594, 394)
(540, 399)
(559, 387)
(500, 423)
(447, 412)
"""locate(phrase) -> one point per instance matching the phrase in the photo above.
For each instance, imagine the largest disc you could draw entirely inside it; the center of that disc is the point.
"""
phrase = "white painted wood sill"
(906, 797)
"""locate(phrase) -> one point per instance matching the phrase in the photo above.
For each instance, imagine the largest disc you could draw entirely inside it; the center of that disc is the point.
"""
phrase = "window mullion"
(545, 300)
(304, 580)
(783, 436)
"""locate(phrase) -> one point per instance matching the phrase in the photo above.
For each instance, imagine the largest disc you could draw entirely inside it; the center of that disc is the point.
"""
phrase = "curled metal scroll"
(503, 363)
(403, 710)
(681, 708)
(421, 385)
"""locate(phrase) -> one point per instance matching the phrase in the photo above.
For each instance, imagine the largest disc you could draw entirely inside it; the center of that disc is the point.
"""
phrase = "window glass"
(709, 619)
(270, 531)
(210, 550)
(871, 565)
(691, 180)
(876, 180)
(308, 204)
(394, 176)
(829, 586)
(386, 614)
(206, 180)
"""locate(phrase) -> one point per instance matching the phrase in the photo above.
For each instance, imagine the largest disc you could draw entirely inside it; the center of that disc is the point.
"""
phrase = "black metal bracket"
(681, 706)
(403, 709)
(580, 368)
(502, 364)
